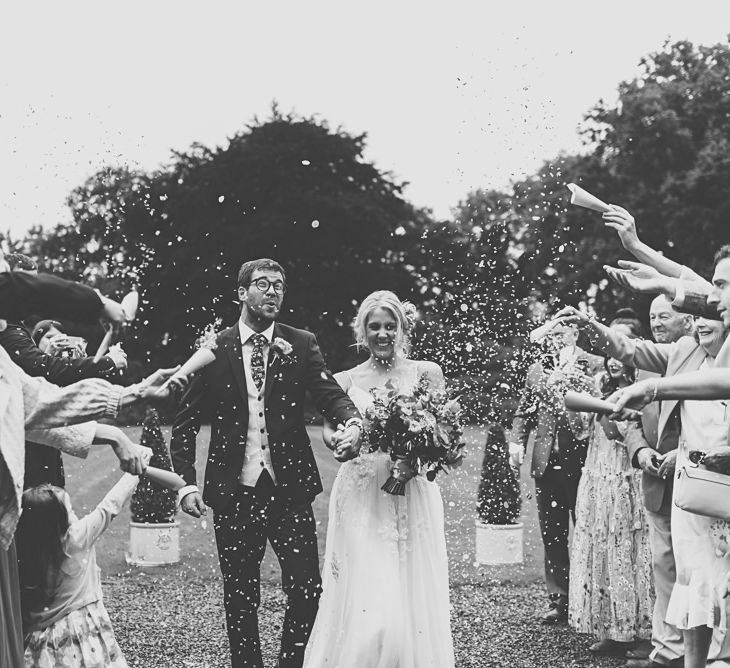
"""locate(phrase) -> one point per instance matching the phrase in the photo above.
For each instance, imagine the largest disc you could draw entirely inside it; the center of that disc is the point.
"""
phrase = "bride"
(385, 601)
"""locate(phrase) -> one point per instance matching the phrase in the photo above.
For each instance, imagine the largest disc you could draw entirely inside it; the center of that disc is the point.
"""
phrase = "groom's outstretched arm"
(326, 392)
(185, 428)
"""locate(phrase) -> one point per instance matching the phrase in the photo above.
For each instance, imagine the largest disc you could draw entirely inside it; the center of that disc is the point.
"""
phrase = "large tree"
(661, 152)
(289, 188)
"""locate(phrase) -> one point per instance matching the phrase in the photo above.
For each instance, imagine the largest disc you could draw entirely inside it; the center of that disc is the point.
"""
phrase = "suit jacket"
(665, 359)
(542, 412)
(219, 394)
(23, 294)
(16, 339)
(692, 298)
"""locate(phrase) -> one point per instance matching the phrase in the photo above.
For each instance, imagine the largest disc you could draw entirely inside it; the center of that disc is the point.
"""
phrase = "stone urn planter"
(499, 534)
(153, 544)
(154, 535)
(499, 543)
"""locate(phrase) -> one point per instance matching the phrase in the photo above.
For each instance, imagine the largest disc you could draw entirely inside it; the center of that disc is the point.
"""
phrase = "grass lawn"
(88, 480)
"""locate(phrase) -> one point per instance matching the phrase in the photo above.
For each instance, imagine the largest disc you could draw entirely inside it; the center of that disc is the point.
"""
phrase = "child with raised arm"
(64, 618)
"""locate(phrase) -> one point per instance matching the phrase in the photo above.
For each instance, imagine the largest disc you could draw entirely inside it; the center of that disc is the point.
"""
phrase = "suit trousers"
(256, 515)
(556, 493)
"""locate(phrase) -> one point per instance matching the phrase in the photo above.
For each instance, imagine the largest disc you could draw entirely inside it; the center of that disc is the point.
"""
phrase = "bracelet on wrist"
(656, 389)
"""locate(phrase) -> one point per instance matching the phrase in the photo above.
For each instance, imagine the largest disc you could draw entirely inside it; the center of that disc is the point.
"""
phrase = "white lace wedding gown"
(385, 601)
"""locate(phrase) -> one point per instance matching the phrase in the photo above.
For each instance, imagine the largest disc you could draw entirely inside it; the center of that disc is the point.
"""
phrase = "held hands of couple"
(346, 442)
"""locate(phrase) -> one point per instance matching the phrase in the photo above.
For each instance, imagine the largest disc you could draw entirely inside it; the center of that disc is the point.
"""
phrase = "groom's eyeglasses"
(264, 284)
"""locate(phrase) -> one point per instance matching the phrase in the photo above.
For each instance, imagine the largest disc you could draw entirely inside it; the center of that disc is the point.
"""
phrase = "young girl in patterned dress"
(65, 622)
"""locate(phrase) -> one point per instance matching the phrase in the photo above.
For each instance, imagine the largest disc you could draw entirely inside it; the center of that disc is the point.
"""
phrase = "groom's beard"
(263, 315)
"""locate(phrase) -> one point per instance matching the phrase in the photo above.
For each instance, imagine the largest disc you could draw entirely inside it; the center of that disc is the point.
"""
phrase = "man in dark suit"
(261, 475)
(557, 459)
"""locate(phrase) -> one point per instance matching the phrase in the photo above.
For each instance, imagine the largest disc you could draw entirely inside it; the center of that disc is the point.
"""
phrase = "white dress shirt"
(257, 456)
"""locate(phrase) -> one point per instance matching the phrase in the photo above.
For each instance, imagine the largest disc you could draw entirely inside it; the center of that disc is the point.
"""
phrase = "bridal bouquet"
(421, 431)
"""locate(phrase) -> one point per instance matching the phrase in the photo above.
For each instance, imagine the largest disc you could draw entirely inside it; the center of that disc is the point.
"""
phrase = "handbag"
(702, 492)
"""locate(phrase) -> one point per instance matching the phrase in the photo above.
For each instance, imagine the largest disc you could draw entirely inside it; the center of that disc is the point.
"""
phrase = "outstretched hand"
(155, 388)
(572, 316)
(623, 222)
(641, 278)
(630, 400)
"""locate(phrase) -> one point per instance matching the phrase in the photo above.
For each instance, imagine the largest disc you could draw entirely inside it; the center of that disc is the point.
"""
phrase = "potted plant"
(498, 531)
(154, 535)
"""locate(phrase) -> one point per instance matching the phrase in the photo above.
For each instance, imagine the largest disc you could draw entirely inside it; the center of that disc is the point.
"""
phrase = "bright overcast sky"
(469, 95)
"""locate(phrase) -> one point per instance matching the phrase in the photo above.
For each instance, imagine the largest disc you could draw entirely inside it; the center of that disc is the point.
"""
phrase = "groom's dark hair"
(248, 268)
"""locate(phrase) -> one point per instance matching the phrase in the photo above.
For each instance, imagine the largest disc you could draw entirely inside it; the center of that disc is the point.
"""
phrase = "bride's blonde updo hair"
(404, 314)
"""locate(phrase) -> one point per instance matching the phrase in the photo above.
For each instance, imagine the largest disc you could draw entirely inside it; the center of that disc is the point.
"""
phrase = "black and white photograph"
(372, 335)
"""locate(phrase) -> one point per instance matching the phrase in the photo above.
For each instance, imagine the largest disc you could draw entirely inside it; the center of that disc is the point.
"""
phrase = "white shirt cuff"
(678, 300)
(184, 491)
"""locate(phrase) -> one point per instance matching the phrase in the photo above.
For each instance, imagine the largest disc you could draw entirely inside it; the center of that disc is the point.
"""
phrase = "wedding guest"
(656, 273)
(667, 326)
(699, 602)
(33, 403)
(55, 361)
(49, 353)
(657, 492)
(558, 455)
(48, 415)
(64, 618)
(611, 594)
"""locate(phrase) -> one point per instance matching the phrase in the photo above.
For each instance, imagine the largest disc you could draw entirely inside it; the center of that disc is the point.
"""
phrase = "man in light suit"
(669, 356)
(557, 460)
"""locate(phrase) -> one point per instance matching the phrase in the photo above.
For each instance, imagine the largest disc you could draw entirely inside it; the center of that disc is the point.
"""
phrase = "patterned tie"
(257, 360)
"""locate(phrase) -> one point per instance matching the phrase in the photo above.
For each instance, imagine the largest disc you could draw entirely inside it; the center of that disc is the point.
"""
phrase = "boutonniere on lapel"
(283, 352)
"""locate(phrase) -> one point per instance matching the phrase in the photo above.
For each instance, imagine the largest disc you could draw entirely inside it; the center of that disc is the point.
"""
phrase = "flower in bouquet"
(422, 431)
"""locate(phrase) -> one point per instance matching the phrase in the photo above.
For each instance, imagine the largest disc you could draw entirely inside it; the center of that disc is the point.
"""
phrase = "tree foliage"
(152, 503)
(498, 498)
(661, 152)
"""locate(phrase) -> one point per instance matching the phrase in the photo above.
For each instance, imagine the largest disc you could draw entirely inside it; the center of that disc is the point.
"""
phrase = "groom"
(261, 476)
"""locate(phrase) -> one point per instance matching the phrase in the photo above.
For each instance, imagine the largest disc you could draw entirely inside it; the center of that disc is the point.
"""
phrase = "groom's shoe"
(557, 614)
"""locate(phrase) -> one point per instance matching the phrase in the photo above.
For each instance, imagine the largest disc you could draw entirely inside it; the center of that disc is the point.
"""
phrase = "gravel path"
(163, 622)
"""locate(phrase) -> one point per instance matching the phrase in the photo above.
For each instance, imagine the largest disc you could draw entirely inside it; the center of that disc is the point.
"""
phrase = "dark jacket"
(23, 294)
(17, 341)
(218, 394)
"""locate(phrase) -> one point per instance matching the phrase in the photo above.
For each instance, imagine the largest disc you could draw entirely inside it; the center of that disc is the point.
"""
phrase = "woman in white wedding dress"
(385, 601)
